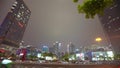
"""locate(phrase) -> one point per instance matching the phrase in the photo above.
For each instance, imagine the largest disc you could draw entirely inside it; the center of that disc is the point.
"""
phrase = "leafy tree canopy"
(93, 7)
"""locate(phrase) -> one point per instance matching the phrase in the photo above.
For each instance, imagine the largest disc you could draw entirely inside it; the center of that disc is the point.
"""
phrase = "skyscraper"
(71, 48)
(45, 49)
(13, 27)
(57, 48)
(111, 24)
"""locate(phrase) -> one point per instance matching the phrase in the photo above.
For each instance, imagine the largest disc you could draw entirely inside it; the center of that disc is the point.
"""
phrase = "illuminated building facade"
(13, 27)
(111, 24)
(57, 48)
(71, 48)
(45, 49)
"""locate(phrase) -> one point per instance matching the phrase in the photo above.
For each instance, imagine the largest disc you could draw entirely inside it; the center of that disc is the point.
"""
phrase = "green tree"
(65, 57)
(48, 54)
(116, 56)
(93, 7)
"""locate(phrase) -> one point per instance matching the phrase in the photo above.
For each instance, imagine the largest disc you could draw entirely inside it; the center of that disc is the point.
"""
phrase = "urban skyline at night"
(64, 25)
(52, 34)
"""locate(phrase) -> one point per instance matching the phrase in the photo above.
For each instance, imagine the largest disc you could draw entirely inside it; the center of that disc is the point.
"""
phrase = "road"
(56, 65)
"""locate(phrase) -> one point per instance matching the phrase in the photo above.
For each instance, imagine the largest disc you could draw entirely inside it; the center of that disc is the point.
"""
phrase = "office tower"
(71, 48)
(45, 49)
(51, 49)
(13, 27)
(57, 48)
(111, 25)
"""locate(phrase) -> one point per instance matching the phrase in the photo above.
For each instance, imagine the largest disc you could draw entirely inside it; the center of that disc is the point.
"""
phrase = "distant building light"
(109, 17)
(16, 2)
(18, 16)
(28, 11)
(118, 17)
(113, 19)
(12, 7)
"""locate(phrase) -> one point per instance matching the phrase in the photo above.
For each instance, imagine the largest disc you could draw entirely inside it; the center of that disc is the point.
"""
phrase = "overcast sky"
(59, 20)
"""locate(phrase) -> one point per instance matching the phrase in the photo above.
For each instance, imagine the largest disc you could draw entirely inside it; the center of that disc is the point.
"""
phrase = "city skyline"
(59, 20)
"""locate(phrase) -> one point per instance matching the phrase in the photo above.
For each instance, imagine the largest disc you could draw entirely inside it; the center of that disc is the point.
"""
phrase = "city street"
(59, 33)
(55, 65)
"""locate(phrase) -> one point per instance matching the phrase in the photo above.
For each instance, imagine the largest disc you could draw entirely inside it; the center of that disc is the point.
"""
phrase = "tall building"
(45, 49)
(57, 48)
(51, 49)
(71, 48)
(111, 24)
(13, 27)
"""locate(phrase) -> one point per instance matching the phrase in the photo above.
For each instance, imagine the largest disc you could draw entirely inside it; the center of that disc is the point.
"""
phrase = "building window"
(16, 2)
(18, 16)
(118, 17)
(109, 27)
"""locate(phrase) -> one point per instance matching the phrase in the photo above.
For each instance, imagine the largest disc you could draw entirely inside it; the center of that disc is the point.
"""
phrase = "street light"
(98, 39)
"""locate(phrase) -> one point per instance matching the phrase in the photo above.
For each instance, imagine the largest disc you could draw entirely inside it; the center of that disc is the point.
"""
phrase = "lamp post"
(98, 39)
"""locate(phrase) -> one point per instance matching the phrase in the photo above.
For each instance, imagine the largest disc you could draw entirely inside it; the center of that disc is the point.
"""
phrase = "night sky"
(59, 20)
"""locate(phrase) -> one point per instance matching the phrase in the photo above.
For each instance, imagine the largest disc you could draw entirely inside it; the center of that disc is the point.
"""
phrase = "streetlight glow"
(98, 39)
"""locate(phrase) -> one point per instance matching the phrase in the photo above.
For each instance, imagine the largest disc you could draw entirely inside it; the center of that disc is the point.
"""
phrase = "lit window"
(28, 11)
(109, 17)
(118, 17)
(14, 5)
(19, 13)
(113, 19)
(109, 27)
(22, 6)
(18, 16)
(16, 2)
(22, 12)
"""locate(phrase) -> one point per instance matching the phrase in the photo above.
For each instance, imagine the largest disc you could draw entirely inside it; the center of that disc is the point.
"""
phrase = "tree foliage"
(48, 54)
(66, 57)
(117, 56)
(93, 7)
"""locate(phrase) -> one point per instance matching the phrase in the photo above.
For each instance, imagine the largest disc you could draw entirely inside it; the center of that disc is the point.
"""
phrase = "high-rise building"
(57, 48)
(45, 49)
(13, 27)
(71, 48)
(51, 50)
(111, 24)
